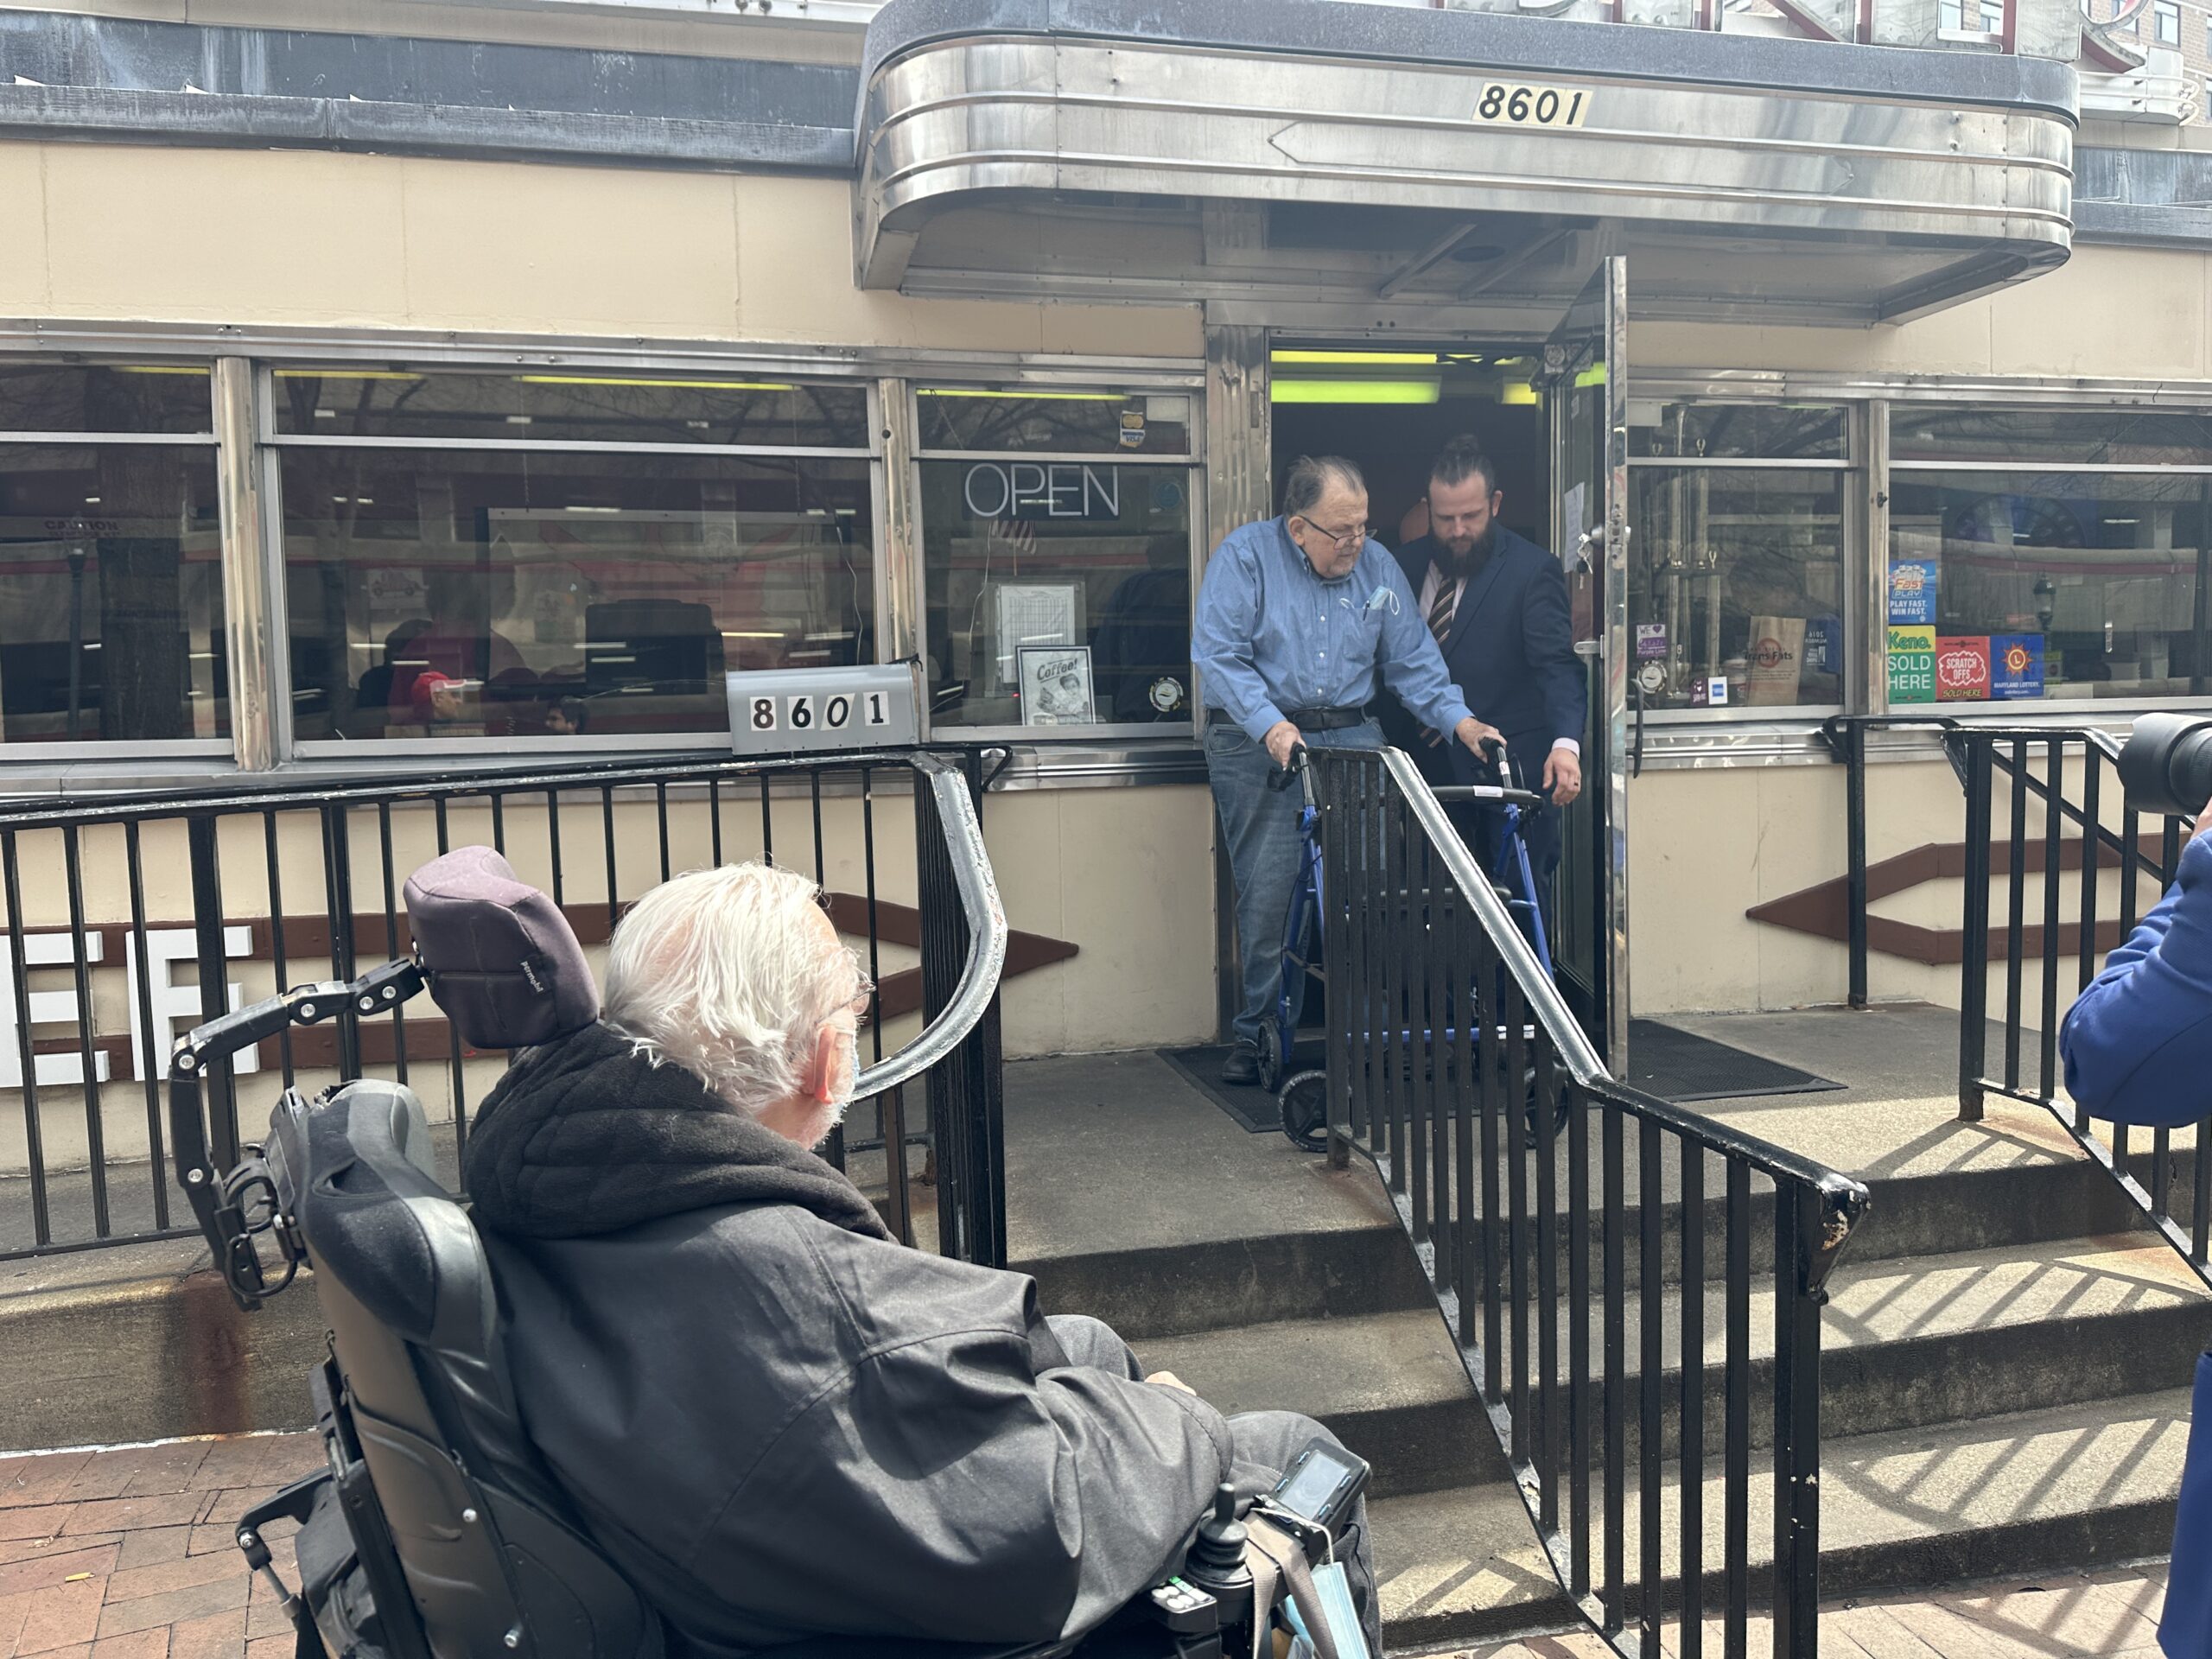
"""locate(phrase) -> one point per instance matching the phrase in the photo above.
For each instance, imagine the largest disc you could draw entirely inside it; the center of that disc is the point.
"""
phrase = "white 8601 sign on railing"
(784, 711)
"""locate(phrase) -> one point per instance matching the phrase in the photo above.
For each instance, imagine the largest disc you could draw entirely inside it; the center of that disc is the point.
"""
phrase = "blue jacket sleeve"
(1548, 640)
(1222, 641)
(2137, 1043)
(1412, 665)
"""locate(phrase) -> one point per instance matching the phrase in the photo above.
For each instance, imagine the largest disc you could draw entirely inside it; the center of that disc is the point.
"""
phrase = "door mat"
(1252, 1108)
(1679, 1066)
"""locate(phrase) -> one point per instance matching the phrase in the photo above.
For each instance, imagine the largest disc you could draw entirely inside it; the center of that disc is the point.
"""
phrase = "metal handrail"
(964, 921)
(1846, 1198)
(987, 937)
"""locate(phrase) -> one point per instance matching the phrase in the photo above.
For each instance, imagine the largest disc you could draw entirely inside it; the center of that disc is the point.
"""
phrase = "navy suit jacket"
(1510, 651)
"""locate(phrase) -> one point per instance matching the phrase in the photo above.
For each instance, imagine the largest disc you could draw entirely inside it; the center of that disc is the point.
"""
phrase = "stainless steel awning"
(1283, 159)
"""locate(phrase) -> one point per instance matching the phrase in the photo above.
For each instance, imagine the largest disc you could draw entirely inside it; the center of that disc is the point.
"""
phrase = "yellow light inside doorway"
(1354, 392)
(1353, 358)
(1023, 394)
(1519, 392)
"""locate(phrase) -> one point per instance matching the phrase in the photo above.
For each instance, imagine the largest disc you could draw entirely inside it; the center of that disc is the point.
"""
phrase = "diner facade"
(493, 407)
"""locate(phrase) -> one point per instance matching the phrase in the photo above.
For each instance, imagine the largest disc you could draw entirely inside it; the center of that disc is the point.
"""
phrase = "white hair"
(730, 974)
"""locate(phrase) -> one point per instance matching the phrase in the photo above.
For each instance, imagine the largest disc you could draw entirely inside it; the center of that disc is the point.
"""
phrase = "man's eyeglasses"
(1339, 539)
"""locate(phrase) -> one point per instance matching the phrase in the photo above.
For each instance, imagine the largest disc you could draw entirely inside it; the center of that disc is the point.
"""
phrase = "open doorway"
(1391, 411)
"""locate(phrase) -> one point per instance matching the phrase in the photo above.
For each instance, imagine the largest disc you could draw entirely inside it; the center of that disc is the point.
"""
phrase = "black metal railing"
(1595, 1253)
(128, 917)
(2045, 812)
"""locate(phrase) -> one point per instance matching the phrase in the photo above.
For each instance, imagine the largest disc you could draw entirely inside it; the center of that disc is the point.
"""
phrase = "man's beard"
(1463, 564)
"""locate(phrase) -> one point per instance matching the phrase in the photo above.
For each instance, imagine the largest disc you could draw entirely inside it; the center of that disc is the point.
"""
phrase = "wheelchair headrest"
(501, 959)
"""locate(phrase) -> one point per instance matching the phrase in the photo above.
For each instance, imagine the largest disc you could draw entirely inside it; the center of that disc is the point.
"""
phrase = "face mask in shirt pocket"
(1372, 615)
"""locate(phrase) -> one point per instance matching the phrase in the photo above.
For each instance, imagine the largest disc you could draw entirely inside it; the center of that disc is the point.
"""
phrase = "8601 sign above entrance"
(799, 710)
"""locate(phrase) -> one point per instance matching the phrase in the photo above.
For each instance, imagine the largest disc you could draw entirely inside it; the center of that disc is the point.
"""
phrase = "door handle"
(1636, 749)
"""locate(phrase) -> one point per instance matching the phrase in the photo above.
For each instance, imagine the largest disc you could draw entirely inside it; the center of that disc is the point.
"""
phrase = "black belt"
(1308, 720)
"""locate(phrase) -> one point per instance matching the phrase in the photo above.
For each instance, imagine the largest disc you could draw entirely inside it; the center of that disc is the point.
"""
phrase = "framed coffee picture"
(1055, 686)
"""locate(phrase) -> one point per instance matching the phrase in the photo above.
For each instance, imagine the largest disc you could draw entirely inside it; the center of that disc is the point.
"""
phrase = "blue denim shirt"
(1271, 635)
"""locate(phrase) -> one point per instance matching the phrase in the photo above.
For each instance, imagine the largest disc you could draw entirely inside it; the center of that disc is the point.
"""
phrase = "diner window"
(1058, 574)
(2079, 570)
(110, 556)
(1988, 15)
(1736, 579)
(441, 583)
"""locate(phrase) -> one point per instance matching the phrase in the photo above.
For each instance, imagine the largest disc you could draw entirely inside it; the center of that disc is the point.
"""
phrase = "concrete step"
(1907, 1344)
(2074, 1488)
(143, 1343)
(1460, 1566)
(1389, 1384)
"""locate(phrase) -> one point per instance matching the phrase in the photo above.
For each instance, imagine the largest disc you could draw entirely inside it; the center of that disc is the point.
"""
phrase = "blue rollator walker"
(1301, 1095)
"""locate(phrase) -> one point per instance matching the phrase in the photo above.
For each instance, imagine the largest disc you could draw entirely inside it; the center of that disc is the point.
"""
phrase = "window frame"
(2162, 13)
(19, 750)
(1192, 462)
(269, 445)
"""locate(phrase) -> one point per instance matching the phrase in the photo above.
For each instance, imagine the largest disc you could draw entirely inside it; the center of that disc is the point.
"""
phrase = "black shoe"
(1241, 1068)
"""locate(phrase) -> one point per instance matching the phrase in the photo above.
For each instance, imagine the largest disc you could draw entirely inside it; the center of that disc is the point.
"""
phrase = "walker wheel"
(1305, 1103)
(1271, 1065)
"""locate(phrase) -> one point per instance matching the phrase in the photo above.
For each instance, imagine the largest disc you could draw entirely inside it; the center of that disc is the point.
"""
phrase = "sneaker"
(1241, 1068)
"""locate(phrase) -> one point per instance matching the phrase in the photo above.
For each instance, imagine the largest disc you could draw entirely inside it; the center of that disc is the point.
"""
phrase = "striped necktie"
(1441, 607)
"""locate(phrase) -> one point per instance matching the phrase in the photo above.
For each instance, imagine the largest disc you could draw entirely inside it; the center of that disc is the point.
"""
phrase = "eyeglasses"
(1336, 539)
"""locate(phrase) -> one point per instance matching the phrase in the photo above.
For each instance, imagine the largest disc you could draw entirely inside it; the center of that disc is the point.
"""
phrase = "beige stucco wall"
(2108, 313)
(299, 238)
(1706, 846)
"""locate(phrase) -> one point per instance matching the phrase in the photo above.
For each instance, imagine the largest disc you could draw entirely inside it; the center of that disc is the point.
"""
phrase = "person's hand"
(2203, 821)
(1168, 1379)
(1472, 733)
(1563, 775)
(1282, 738)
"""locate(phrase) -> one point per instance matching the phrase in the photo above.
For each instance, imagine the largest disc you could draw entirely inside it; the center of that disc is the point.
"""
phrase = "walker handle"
(1520, 797)
(1278, 779)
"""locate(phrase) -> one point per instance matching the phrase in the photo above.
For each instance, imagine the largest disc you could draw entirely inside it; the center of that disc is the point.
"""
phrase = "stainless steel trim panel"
(1515, 44)
(490, 353)
(249, 613)
(126, 79)
(1909, 152)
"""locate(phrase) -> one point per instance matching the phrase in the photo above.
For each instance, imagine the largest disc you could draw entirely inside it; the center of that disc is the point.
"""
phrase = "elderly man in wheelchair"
(671, 1386)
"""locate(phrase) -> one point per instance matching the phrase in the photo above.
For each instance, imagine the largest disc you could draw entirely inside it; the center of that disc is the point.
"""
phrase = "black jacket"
(1510, 650)
(777, 1421)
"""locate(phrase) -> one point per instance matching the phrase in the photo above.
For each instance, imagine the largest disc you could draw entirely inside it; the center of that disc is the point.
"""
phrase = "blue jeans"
(1260, 827)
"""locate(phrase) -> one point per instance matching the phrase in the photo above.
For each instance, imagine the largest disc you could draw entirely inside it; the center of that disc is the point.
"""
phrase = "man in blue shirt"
(1295, 619)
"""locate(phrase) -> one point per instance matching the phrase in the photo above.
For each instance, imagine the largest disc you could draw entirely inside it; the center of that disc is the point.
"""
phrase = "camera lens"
(2165, 765)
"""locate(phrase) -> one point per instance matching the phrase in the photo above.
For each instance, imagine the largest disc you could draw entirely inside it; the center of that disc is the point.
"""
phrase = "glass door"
(1585, 375)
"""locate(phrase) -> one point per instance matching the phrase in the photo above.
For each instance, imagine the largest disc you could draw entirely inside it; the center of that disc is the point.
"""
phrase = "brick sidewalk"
(2071, 1616)
(127, 1554)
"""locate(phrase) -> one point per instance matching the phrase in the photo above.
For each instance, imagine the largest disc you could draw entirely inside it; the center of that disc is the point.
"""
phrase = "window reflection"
(1058, 593)
(111, 594)
(1736, 587)
(504, 594)
(2092, 581)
